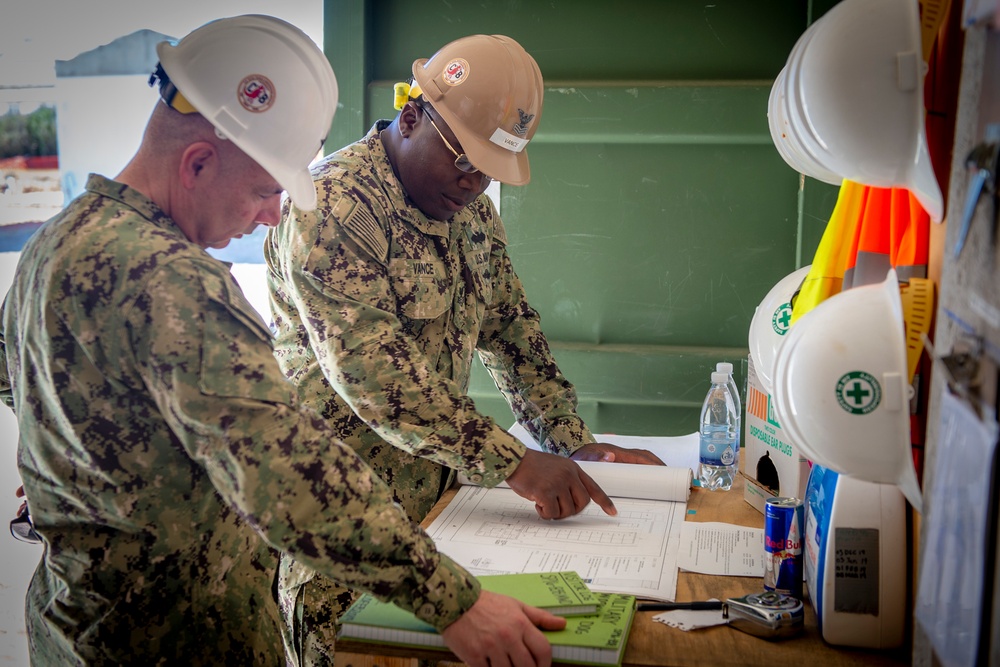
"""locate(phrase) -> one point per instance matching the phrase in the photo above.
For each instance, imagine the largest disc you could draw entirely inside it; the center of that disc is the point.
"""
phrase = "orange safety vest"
(870, 231)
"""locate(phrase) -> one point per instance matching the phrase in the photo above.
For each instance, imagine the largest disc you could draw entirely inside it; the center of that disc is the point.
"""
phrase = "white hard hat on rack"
(841, 386)
(771, 321)
(853, 100)
(789, 137)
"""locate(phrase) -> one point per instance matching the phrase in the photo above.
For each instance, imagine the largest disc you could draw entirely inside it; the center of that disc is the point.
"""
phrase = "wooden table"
(653, 643)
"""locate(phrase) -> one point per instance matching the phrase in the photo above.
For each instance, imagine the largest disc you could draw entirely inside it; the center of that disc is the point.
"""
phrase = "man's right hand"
(498, 631)
(557, 485)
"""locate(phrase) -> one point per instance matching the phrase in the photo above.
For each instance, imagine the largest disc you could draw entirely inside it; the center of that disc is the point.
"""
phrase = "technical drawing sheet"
(495, 531)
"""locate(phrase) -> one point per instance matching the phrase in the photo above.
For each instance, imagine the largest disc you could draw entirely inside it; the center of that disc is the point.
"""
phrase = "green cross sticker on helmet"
(782, 318)
(858, 392)
(771, 321)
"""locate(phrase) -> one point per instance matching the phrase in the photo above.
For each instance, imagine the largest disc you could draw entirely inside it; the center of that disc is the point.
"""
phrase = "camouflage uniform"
(164, 455)
(387, 307)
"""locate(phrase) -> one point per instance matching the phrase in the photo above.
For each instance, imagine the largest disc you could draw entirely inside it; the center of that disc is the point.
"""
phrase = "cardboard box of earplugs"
(771, 464)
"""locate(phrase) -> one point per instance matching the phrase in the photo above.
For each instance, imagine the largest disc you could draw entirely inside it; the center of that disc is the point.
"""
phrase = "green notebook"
(596, 639)
(560, 593)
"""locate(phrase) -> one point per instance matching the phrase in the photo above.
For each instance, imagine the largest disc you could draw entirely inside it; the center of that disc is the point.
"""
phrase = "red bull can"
(784, 525)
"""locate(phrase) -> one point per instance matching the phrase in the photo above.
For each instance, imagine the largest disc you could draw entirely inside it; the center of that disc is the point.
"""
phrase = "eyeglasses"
(461, 159)
(23, 530)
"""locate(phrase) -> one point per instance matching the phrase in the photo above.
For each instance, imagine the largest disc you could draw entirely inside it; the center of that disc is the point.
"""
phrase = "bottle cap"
(720, 378)
(724, 367)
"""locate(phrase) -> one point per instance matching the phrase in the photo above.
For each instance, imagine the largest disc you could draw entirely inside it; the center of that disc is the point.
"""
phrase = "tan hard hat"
(489, 91)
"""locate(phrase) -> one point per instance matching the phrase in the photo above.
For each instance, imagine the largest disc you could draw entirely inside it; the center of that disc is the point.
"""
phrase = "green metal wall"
(659, 213)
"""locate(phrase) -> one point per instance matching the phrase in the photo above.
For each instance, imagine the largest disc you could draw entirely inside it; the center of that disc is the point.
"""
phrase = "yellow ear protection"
(404, 92)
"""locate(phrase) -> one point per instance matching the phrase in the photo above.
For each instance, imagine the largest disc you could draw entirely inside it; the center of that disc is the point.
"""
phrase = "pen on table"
(670, 606)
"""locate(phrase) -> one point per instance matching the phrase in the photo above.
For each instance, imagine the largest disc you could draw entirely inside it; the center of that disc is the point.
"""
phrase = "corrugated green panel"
(675, 245)
(346, 35)
(655, 112)
(598, 40)
(630, 390)
(619, 418)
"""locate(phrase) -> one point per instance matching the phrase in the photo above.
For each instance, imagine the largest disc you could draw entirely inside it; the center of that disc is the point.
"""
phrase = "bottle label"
(710, 453)
(728, 457)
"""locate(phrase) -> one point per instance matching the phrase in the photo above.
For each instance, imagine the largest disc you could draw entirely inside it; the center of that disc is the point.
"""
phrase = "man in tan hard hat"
(163, 453)
(382, 296)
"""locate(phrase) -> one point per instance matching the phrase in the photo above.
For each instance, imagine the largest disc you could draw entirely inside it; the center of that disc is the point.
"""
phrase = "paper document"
(675, 450)
(494, 531)
(721, 548)
(949, 590)
(630, 480)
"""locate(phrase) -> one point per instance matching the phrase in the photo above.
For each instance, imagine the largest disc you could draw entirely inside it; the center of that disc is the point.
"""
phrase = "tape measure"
(932, 13)
(918, 311)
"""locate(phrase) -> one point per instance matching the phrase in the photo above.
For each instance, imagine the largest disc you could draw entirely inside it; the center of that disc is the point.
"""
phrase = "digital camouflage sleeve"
(165, 457)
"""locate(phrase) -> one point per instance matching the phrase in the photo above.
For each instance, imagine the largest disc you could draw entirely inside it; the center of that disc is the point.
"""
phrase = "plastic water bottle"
(727, 368)
(719, 446)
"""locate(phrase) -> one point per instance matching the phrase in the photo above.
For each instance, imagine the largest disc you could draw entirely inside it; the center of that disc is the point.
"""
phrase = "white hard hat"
(854, 86)
(264, 85)
(841, 389)
(770, 323)
(787, 139)
(490, 92)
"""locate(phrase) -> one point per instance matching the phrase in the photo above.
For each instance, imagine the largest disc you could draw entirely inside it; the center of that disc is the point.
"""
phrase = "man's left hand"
(603, 451)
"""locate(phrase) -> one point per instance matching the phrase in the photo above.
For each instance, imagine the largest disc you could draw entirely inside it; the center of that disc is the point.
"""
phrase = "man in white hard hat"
(384, 293)
(164, 456)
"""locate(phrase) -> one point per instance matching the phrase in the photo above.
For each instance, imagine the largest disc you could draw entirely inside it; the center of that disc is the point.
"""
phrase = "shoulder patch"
(362, 226)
